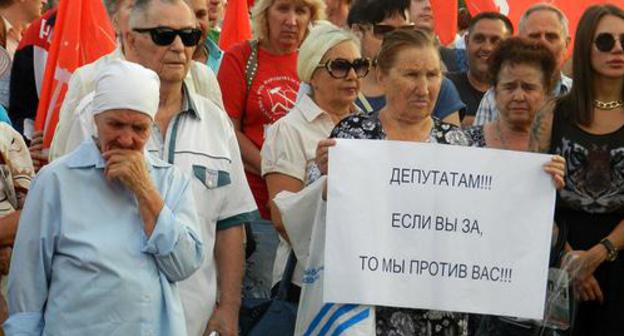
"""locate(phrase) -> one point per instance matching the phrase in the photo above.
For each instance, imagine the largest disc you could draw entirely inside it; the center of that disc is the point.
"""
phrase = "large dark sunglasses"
(164, 36)
(340, 67)
(381, 30)
(605, 42)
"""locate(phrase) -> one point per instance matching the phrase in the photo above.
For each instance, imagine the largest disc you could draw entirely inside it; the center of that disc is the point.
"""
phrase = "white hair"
(563, 20)
(322, 37)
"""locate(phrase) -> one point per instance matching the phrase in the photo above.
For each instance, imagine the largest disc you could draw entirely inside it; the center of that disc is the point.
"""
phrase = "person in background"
(485, 31)
(15, 17)
(260, 84)
(215, 19)
(547, 24)
(29, 67)
(371, 20)
(337, 11)
(207, 52)
(586, 127)
(421, 14)
(463, 22)
(110, 221)
(16, 173)
(330, 63)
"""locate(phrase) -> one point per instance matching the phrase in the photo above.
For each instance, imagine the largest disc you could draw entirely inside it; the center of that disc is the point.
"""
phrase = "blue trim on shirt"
(237, 220)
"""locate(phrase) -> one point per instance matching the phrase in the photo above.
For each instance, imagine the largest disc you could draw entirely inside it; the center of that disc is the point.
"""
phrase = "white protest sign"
(440, 227)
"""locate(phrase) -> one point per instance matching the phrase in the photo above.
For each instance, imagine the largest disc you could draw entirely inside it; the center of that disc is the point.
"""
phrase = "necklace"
(608, 106)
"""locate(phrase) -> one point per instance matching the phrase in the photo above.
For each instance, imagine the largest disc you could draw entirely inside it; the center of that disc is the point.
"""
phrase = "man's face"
(215, 8)
(371, 43)
(32, 8)
(122, 129)
(421, 14)
(171, 62)
(482, 40)
(544, 26)
(200, 8)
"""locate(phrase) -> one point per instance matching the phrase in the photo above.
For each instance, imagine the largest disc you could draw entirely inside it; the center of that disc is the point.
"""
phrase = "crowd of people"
(183, 179)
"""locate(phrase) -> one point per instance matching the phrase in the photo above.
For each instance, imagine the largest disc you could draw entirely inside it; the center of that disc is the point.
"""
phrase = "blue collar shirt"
(82, 264)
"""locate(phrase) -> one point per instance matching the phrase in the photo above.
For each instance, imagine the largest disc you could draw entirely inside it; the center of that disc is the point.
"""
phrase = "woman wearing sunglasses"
(259, 82)
(409, 69)
(586, 127)
(331, 64)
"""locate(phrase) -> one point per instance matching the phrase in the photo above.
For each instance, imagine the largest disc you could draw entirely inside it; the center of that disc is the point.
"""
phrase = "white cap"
(126, 85)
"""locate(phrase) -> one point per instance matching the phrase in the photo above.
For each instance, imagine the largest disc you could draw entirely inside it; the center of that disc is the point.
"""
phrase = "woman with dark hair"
(521, 73)
(587, 128)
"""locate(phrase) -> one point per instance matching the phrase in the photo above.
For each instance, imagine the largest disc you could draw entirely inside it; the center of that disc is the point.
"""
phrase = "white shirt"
(290, 148)
(202, 143)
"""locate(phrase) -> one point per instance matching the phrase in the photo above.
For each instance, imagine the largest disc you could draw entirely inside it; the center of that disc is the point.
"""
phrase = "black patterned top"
(369, 127)
(401, 321)
(477, 135)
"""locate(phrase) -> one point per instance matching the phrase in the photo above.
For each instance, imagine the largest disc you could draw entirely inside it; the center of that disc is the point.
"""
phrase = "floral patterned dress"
(400, 321)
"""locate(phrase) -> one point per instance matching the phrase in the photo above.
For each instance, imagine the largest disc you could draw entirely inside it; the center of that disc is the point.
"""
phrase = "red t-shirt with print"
(273, 93)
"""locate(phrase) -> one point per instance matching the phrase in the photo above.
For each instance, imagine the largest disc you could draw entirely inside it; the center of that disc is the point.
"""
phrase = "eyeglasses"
(164, 36)
(605, 42)
(381, 30)
(340, 67)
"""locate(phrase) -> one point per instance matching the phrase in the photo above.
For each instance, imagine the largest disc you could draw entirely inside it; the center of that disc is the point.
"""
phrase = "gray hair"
(563, 20)
(140, 8)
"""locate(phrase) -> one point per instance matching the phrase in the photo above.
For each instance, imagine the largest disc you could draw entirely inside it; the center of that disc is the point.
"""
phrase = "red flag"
(445, 14)
(236, 25)
(82, 34)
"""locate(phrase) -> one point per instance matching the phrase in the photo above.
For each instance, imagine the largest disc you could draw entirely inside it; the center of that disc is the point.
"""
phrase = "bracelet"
(612, 252)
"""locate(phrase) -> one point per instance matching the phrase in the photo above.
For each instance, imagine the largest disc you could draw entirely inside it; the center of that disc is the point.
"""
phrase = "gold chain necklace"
(608, 106)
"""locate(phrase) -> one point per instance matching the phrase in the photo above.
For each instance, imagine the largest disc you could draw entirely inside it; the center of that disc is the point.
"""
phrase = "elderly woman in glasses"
(331, 64)
(586, 127)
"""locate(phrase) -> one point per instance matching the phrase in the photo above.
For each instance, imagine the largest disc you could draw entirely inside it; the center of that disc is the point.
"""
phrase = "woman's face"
(520, 92)
(412, 84)
(608, 63)
(339, 92)
(288, 22)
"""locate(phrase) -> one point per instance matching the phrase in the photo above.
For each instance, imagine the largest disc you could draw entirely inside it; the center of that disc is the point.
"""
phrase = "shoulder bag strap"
(250, 73)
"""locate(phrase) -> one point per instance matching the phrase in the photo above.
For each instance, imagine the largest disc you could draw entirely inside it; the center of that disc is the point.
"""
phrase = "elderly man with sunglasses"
(196, 135)
(74, 118)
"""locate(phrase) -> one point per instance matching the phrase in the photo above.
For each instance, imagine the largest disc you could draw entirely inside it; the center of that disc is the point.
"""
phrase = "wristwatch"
(612, 252)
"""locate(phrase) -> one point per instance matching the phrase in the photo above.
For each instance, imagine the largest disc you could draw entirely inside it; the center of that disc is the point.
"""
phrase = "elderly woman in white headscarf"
(330, 63)
(110, 221)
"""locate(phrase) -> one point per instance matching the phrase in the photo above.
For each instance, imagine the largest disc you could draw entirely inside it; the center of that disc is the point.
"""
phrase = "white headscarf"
(126, 85)
(321, 38)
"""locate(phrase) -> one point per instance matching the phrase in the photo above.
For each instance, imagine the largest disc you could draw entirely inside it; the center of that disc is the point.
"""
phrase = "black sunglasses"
(605, 42)
(164, 36)
(381, 30)
(340, 67)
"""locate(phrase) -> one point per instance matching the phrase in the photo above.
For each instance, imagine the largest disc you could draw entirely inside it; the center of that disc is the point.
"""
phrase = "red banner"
(236, 25)
(82, 34)
(445, 14)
